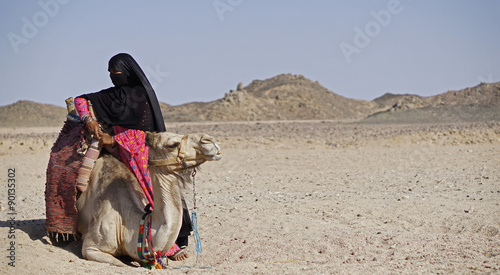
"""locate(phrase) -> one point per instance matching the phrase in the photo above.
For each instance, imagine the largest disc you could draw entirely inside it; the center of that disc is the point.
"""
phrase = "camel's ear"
(150, 138)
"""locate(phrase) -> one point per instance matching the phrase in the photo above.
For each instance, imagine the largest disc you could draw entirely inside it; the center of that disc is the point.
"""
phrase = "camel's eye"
(173, 145)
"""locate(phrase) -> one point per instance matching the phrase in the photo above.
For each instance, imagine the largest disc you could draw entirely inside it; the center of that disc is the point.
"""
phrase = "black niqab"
(132, 105)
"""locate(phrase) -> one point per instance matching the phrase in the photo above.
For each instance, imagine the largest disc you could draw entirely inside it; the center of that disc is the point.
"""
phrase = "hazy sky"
(200, 49)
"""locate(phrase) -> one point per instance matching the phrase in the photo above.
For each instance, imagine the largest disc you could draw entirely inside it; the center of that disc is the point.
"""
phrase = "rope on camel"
(196, 233)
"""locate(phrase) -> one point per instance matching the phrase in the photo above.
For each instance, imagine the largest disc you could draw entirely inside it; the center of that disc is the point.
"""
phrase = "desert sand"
(300, 197)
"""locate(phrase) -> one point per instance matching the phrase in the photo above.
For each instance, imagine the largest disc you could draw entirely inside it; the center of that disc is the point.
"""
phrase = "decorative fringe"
(65, 236)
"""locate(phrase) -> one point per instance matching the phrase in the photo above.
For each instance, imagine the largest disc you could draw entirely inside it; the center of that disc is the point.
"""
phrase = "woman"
(125, 112)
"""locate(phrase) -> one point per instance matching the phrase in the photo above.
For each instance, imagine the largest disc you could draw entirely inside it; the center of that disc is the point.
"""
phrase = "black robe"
(132, 104)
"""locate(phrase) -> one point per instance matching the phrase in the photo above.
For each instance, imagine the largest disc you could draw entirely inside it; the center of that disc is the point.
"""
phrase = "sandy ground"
(316, 197)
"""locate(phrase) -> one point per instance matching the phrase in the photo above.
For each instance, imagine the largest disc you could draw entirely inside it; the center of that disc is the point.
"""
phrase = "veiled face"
(121, 69)
(120, 63)
(117, 78)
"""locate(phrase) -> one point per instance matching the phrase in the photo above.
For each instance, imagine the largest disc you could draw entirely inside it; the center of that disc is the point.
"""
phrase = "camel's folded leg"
(94, 254)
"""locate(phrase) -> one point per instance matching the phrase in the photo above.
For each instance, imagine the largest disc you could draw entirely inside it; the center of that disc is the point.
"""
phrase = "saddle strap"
(88, 164)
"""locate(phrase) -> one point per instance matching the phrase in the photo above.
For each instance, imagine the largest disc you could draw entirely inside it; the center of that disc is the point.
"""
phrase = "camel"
(110, 210)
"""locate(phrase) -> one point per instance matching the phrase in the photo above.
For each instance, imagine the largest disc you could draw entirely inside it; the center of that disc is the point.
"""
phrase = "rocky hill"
(294, 97)
(284, 97)
(25, 113)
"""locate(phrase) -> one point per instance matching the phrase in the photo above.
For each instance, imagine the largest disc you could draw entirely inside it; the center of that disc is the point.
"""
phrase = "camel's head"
(170, 149)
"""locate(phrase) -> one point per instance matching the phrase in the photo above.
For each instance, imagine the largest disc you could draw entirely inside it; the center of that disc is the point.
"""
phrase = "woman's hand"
(107, 140)
(93, 128)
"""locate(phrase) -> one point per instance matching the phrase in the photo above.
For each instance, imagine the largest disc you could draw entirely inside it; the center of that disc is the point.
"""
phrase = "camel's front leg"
(93, 253)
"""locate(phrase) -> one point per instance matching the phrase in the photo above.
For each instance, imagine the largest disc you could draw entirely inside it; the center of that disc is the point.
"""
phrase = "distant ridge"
(479, 103)
(294, 97)
(25, 113)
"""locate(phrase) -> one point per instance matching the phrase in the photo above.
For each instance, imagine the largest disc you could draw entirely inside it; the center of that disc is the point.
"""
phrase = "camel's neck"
(167, 211)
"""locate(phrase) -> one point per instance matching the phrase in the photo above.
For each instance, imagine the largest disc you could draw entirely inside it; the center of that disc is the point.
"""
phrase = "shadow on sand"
(35, 229)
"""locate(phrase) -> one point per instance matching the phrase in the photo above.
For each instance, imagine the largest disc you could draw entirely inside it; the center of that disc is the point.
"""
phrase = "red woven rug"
(62, 172)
